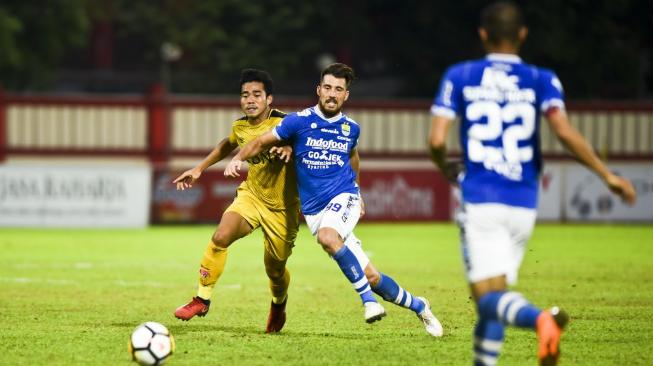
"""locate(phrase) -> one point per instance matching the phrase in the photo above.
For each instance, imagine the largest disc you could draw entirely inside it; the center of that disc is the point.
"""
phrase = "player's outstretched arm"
(575, 143)
(187, 178)
(438, 147)
(250, 150)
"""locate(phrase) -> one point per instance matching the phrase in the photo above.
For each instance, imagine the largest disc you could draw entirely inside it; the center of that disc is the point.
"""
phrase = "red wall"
(389, 195)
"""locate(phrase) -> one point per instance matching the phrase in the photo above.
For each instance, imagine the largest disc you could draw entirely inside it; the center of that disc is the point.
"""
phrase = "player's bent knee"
(275, 273)
(327, 247)
(330, 244)
(328, 237)
(220, 240)
(275, 269)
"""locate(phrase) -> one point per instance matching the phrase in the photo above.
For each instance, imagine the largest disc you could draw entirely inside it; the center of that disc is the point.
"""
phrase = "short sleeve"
(232, 137)
(286, 129)
(446, 103)
(551, 92)
(357, 134)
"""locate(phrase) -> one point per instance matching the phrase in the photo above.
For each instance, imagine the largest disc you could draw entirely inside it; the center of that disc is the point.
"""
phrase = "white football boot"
(431, 323)
(373, 311)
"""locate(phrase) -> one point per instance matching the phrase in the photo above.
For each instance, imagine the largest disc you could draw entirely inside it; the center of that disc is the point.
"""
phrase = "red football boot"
(549, 326)
(277, 317)
(196, 306)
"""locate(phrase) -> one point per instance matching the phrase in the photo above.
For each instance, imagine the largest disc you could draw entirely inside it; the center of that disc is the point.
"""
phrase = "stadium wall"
(169, 133)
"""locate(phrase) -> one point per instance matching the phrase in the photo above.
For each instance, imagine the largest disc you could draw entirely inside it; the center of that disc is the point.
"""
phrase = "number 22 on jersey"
(505, 157)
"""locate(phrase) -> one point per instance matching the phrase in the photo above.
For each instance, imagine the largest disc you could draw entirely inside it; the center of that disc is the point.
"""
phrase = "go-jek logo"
(326, 144)
(325, 156)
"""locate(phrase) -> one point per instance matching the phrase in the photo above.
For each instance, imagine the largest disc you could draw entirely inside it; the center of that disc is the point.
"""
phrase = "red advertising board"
(389, 195)
(405, 195)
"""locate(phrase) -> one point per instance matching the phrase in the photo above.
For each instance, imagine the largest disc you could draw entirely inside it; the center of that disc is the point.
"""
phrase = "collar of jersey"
(335, 118)
(505, 57)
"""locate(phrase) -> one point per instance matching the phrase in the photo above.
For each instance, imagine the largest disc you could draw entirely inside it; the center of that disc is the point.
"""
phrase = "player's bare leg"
(279, 280)
(482, 287)
(232, 227)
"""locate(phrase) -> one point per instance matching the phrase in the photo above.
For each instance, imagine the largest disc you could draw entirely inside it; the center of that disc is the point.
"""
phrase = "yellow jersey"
(270, 179)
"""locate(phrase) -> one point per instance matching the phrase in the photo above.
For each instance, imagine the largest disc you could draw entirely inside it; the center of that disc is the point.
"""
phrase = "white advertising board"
(588, 199)
(549, 206)
(74, 196)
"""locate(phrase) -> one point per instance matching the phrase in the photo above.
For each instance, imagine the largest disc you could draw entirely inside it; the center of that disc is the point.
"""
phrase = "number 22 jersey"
(499, 100)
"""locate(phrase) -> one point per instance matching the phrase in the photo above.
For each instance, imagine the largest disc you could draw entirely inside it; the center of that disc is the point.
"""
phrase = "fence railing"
(159, 127)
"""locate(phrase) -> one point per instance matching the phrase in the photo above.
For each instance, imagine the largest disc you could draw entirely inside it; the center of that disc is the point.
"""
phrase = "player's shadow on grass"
(254, 330)
(181, 329)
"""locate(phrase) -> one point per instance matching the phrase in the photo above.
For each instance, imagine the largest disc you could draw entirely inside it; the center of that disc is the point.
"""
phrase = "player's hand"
(232, 168)
(282, 152)
(622, 187)
(451, 171)
(362, 207)
(187, 178)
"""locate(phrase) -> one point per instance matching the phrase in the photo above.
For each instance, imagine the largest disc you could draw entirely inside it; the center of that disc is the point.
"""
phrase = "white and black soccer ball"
(151, 344)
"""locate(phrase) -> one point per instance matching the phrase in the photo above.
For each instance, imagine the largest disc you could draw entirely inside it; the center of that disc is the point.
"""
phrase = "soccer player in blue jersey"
(324, 142)
(499, 100)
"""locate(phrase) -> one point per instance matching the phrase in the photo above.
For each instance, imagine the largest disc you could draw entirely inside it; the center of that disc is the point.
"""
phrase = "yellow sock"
(211, 268)
(279, 287)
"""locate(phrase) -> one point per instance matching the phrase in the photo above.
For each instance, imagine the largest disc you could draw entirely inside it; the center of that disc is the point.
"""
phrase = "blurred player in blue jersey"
(324, 145)
(499, 100)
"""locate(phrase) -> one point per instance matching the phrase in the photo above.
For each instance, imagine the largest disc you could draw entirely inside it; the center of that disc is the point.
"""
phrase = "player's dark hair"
(249, 75)
(340, 71)
(502, 21)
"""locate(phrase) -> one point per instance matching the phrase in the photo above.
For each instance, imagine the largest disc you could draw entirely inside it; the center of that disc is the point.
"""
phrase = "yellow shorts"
(279, 227)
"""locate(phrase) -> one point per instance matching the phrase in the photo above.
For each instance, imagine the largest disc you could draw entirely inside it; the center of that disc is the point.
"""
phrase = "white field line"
(37, 280)
(87, 266)
(90, 265)
(122, 283)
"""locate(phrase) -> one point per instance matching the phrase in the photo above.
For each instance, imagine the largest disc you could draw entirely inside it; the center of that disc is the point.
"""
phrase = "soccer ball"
(151, 344)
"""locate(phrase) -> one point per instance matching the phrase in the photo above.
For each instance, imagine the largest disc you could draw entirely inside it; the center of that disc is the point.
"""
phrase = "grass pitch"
(73, 297)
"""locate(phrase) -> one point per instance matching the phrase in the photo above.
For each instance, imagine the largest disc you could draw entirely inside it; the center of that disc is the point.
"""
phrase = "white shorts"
(341, 214)
(493, 239)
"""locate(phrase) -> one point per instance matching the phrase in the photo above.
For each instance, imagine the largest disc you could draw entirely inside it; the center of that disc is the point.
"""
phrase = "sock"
(390, 291)
(510, 308)
(279, 287)
(211, 268)
(488, 339)
(352, 270)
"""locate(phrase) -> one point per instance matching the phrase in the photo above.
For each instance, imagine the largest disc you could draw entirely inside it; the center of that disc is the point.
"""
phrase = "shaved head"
(502, 21)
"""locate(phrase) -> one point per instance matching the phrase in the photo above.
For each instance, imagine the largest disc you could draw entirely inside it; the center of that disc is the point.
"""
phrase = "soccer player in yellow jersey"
(267, 199)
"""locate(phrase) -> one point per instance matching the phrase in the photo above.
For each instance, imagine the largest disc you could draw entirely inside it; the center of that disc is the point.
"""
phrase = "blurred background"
(110, 99)
(600, 49)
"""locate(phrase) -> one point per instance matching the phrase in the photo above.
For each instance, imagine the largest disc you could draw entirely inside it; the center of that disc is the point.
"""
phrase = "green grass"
(72, 297)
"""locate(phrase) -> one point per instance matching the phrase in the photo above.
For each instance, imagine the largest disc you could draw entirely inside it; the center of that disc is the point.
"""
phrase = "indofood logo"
(326, 144)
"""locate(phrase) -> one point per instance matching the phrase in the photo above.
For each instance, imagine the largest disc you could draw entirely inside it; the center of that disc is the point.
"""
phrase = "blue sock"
(352, 270)
(390, 291)
(488, 339)
(510, 308)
